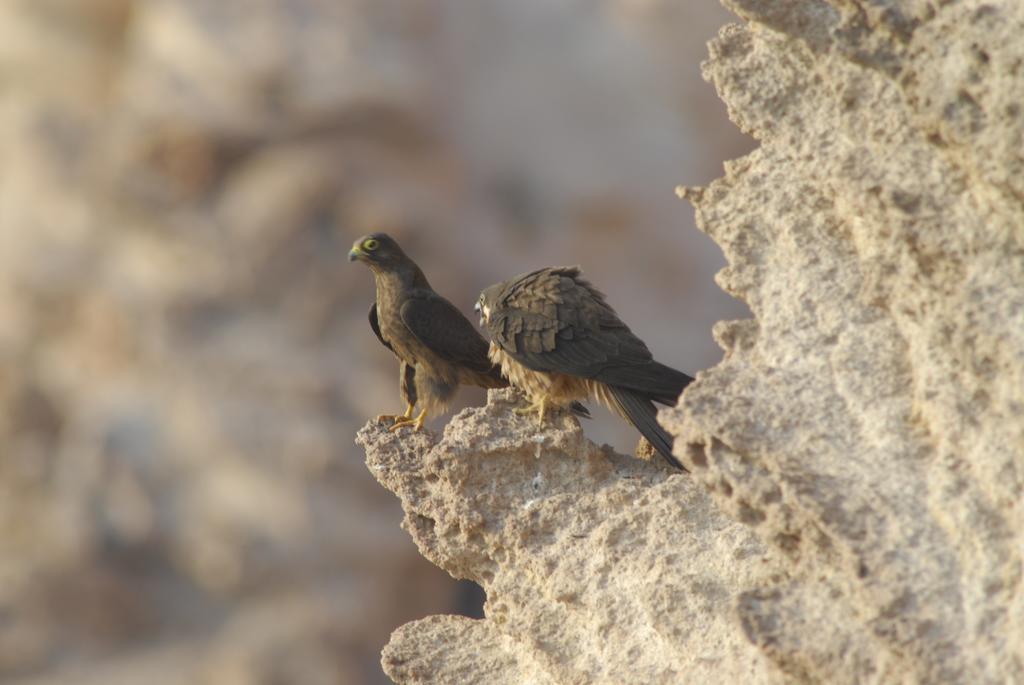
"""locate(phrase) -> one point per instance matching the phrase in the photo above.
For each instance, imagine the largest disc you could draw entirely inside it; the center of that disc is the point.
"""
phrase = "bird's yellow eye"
(371, 245)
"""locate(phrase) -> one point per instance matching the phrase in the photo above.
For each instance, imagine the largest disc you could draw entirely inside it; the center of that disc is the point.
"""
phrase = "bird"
(558, 341)
(438, 348)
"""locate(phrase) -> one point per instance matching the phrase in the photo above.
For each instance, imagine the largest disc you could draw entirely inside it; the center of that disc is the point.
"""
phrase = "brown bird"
(437, 347)
(558, 341)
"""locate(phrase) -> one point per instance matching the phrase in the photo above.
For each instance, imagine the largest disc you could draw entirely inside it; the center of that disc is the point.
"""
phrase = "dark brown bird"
(437, 347)
(557, 340)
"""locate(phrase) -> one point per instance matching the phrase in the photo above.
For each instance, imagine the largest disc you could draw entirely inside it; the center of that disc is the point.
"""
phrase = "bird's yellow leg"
(540, 406)
(395, 418)
(416, 423)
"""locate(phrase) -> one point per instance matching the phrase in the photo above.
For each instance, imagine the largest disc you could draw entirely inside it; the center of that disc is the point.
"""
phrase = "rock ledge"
(598, 567)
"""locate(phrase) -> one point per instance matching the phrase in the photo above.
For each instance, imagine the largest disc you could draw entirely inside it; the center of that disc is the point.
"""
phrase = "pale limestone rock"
(598, 567)
(869, 421)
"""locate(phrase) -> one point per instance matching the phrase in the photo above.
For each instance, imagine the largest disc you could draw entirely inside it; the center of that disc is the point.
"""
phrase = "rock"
(867, 421)
(598, 567)
(858, 456)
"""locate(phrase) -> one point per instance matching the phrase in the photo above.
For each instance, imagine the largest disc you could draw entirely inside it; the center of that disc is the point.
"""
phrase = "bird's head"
(379, 251)
(487, 303)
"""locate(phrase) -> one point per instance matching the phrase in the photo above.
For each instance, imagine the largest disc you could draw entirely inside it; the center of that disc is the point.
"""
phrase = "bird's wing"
(375, 325)
(441, 327)
(554, 320)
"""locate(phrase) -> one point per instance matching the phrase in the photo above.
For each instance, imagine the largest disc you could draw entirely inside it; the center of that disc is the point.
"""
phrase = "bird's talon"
(538, 408)
(416, 423)
(397, 418)
(527, 411)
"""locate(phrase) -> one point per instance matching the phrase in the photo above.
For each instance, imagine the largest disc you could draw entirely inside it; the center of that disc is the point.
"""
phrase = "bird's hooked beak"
(356, 253)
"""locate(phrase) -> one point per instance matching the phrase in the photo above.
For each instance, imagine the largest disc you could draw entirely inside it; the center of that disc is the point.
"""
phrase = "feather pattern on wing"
(555, 337)
(555, 320)
(441, 327)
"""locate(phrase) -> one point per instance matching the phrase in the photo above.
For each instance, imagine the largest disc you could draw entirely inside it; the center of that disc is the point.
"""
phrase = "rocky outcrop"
(869, 421)
(857, 459)
(598, 567)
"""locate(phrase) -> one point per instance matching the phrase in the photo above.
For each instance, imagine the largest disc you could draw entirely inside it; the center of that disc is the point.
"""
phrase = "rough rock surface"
(869, 421)
(866, 425)
(598, 567)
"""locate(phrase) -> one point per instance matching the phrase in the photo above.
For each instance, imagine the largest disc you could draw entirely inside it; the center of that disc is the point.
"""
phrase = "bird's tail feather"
(653, 380)
(641, 412)
(675, 382)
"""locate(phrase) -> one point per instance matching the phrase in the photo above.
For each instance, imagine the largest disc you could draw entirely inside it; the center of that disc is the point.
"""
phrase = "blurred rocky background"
(184, 355)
